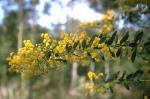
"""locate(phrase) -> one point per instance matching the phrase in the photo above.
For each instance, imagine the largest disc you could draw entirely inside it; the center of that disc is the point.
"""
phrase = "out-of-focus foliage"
(99, 43)
(105, 26)
(129, 4)
(103, 5)
(37, 59)
(135, 12)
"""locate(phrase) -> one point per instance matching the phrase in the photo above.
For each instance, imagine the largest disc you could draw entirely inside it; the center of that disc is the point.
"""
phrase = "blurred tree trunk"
(24, 88)
(20, 23)
(33, 19)
(107, 71)
(74, 73)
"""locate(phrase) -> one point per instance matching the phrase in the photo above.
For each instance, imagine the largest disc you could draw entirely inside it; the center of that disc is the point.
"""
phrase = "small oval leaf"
(124, 38)
(84, 44)
(133, 54)
(138, 36)
(126, 86)
(112, 53)
(133, 44)
(118, 53)
(92, 39)
(110, 41)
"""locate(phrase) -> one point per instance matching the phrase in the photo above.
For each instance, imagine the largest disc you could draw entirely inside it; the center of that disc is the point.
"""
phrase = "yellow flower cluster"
(107, 28)
(95, 56)
(109, 15)
(95, 42)
(53, 62)
(47, 39)
(83, 36)
(36, 59)
(104, 48)
(85, 61)
(90, 24)
(90, 86)
(107, 22)
(92, 76)
(15, 61)
(68, 40)
(93, 87)
(27, 58)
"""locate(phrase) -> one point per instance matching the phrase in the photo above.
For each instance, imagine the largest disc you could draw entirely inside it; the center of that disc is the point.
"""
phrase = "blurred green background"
(27, 19)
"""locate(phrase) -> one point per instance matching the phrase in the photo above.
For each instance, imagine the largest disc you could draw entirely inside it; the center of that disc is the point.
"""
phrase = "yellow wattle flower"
(92, 76)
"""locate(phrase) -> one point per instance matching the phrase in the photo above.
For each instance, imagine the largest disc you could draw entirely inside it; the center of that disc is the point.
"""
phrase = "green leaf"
(84, 44)
(122, 77)
(116, 39)
(133, 75)
(92, 39)
(68, 48)
(138, 36)
(111, 89)
(147, 46)
(133, 44)
(118, 53)
(75, 45)
(126, 86)
(138, 73)
(100, 35)
(48, 54)
(130, 76)
(110, 41)
(133, 55)
(116, 75)
(112, 53)
(113, 76)
(124, 38)
(61, 60)
(102, 39)
(102, 56)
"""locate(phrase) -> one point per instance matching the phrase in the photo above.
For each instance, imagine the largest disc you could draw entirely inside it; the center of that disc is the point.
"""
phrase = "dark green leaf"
(56, 54)
(61, 60)
(133, 44)
(113, 76)
(75, 45)
(138, 73)
(103, 39)
(84, 44)
(148, 71)
(102, 56)
(133, 55)
(126, 86)
(116, 75)
(92, 39)
(122, 77)
(111, 89)
(118, 53)
(147, 46)
(110, 41)
(138, 36)
(100, 35)
(133, 75)
(116, 40)
(147, 43)
(130, 76)
(124, 38)
(112, 53)
(69, 48)
(48, 54)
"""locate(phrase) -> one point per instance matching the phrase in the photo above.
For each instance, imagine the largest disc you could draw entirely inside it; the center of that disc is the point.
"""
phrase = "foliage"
(108, 44)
